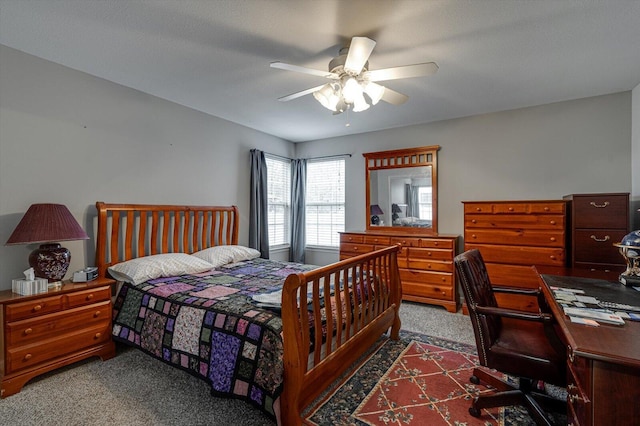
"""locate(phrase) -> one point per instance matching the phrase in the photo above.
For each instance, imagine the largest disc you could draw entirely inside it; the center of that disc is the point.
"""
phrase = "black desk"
(603, 374)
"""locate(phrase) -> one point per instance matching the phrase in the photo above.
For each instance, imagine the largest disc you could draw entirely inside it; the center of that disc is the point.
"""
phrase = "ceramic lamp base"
(50, 261)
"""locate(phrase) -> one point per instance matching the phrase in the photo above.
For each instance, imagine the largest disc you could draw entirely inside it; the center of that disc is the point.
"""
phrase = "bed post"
(396, 295)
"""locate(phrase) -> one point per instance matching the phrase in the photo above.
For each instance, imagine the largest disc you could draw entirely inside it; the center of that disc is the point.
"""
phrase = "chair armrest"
(512, 313)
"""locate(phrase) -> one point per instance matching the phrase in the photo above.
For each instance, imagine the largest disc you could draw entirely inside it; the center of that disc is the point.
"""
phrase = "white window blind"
(325, 202)
(279, 193)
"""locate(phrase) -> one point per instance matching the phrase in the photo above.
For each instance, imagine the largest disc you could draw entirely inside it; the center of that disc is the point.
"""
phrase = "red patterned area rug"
(418, 380)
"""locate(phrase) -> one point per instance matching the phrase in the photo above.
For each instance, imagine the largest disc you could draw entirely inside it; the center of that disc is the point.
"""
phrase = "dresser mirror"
(402, 190)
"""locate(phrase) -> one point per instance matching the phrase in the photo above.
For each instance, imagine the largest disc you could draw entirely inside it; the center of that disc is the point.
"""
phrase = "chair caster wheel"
(474, 380)
(474, 412)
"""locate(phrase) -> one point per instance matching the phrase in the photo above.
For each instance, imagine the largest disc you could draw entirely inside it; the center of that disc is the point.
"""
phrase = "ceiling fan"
(353, 86)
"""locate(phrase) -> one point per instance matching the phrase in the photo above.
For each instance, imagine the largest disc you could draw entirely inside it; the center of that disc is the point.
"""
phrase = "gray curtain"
(411, 197)
(298, 190)
(258, 205)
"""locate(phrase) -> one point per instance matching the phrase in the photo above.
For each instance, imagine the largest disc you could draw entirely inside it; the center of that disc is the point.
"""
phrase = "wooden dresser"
(49, 330)
(514, 235)
(425, 262)
(596, 222)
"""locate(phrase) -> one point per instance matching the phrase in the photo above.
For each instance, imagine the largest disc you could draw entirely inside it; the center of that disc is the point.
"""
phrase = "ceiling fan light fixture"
(351, 90)
(360, 104)
(327, 97)
(374, 91)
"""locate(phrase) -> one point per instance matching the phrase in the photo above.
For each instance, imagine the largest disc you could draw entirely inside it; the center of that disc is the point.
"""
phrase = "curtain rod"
(312, 158)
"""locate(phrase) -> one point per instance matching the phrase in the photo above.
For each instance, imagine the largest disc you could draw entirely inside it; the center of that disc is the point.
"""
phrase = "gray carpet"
(135, 389)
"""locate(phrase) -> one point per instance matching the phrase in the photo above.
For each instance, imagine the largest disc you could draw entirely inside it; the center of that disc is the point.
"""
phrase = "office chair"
(521, 344)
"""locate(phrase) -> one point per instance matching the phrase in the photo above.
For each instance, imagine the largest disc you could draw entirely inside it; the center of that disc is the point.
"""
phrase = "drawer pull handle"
(552, 238)
(571, 386)
(97, 336)
(37, 308)
(600, 240)
(546, 209)
(97, 314)
(599, 206)
(89, 297)
(474, 236)
(28, 331)
(553, 222)
(478, 209)
(473, 221)
(27, 357)
(510, 209)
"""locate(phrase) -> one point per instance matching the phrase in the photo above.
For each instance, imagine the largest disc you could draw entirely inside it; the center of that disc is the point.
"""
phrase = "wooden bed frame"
(373, 293)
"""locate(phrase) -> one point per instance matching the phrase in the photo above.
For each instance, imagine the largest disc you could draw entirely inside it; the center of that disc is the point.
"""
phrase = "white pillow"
(221, 255)
(147, 268)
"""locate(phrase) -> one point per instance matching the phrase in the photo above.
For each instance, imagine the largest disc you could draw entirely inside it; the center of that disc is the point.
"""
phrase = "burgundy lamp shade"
(46, 224)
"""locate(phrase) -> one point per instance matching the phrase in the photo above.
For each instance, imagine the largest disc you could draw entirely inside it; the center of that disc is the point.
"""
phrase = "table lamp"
(47, 223)
(375, 210)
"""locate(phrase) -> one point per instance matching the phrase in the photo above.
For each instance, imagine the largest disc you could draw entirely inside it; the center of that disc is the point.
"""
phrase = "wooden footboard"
(365, 294)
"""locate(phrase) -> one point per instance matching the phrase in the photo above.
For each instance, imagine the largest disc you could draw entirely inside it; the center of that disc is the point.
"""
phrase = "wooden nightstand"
(46, 331)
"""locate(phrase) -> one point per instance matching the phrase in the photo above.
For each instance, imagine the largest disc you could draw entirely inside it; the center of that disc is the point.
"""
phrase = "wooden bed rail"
(127, 231)
(365, 292)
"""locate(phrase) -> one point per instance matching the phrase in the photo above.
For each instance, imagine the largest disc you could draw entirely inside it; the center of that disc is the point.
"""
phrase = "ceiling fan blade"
(393, 97)
(299, 94)
(407, 71)
(359, 52)
(304, 70)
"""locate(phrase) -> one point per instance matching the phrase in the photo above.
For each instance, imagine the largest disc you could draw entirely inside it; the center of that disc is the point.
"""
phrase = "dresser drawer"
(596, 246)
(423, 289)
(414, 253)
(352, 238)
(355, 249)
(32, 308)
(515, 208)
(47, 350)
(520, 255)
(527, 237)
(601, 211)
(423, 277)
(42, 327)
(440, 243)
(578, 394)
(515, 221)
(377, 240)
(85, 297)
(428, 265)
(521, 276)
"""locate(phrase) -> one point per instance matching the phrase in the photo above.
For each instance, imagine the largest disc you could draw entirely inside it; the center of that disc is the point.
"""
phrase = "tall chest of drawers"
(425, 263)
(596, 222)
(512, 236)
(46, 331)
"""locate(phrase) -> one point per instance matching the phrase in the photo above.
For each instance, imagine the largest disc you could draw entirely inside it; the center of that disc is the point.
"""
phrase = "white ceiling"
(214, 55)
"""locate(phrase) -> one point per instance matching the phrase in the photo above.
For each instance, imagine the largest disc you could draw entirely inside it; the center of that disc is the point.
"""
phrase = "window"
(279, 193)
(325, 202)
(424, 201)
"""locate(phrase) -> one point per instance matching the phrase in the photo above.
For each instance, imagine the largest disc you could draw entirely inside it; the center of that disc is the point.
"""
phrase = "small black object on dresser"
(597, 221)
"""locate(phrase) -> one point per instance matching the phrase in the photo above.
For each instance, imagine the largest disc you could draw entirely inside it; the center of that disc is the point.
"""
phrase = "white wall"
(541, 152)
(70, 138)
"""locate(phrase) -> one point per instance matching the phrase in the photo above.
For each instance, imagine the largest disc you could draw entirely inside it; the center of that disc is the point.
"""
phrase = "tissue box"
(28, 287)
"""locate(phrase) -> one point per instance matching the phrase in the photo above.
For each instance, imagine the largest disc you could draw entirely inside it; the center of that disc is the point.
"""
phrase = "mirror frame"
(399, 159)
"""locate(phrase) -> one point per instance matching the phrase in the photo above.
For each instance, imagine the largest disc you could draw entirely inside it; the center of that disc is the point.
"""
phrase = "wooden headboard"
(128, 231)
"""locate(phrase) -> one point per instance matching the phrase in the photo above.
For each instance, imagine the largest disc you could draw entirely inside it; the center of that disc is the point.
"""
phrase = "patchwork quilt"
(208, 325)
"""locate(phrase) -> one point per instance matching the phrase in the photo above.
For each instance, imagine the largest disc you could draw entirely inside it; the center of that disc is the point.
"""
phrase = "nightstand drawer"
(30, 355)
(25, 331)
(85, 297)
(32, 308)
